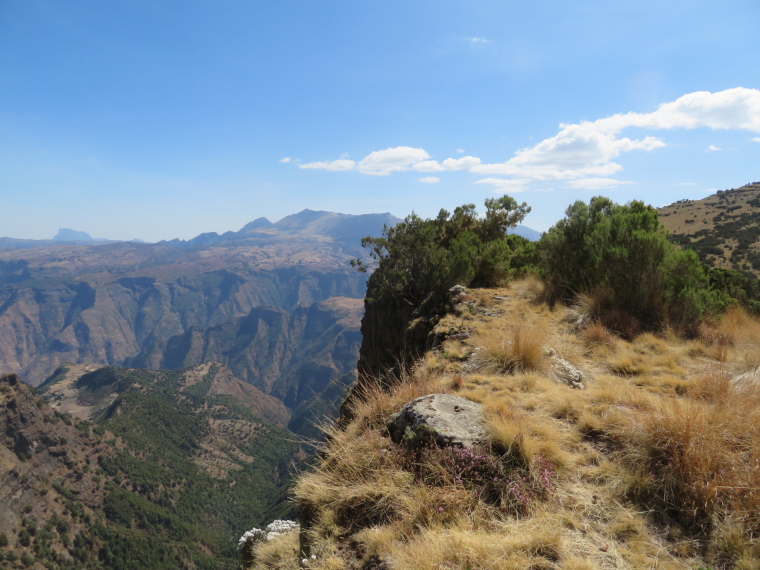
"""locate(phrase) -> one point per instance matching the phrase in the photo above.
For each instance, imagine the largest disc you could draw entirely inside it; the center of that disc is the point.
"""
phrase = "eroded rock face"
(445, 419)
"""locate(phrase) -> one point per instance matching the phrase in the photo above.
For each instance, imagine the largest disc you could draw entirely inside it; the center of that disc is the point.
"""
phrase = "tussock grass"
(595, 334)
(702, 456)
(532, 544)
(519, 348)
(655, 465)
(281, 553)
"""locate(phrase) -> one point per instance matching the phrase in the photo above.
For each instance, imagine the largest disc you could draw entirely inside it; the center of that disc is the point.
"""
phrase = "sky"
(166, 118)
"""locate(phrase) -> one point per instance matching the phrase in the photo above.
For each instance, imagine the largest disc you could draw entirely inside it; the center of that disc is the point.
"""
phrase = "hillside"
(652, 463)
(166, 469)
(724, 229)
(297, 356)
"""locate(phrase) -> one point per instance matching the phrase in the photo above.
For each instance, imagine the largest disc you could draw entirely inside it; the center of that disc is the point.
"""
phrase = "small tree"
(417, 261)
(620, 258)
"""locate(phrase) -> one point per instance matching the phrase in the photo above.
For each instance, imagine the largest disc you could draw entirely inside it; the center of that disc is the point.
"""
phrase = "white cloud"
(286, 159)
(588, 149)
(476, 40)
(596, 183)
(504, 184)
(464, 163)
(577, 151)
(339, 165)
(430, 179)
(584, 151)
(713, 148)
(428, 166)
(460, 151)
(396, 159)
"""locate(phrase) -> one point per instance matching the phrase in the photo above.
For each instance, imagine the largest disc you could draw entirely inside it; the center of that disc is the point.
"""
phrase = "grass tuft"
(520, 348)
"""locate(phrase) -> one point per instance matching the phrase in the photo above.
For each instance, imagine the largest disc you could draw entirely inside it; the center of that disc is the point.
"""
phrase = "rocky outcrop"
(443, 419)
(563, 371)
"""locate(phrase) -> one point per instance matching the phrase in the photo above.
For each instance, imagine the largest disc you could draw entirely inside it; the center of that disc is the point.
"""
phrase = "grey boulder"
(443, 419)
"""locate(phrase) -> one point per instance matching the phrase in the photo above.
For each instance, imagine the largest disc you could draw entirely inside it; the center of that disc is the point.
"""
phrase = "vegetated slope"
(151, 484)
(653, 464)
(50, 490)
(166, 476)
(305, 358)
(105, 303)
(724, 229)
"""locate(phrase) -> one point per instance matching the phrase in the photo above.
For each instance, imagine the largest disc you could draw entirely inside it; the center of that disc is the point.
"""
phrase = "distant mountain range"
(307, 223)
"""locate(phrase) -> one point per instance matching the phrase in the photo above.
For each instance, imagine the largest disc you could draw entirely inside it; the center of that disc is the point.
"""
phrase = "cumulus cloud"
(430, 179)
(713, 148)
(464, 163)
(333, 165)
(577, 151)
(396, 159)
(476, 40)
(286, 159)
(589, 149)
(460, 151)
(582, 155)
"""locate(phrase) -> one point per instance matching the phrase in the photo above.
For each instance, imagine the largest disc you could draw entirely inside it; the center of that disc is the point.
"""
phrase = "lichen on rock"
(442, 419)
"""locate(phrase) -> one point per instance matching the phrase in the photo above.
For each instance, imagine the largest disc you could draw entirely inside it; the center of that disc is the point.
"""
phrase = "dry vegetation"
(656, 464)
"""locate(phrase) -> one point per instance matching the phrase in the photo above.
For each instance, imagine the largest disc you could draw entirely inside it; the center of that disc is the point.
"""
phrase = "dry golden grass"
(280, 553)
(518, 348)
(735, 334)
(532, 544)
(702, 455)
(655, 465)
(595, 334)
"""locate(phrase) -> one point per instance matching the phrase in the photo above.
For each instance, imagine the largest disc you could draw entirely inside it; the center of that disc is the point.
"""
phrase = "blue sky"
(161, 119)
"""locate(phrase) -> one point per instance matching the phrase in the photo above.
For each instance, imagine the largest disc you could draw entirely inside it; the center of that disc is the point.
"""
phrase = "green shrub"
(619, 258)
(422, 258)
(419, 260)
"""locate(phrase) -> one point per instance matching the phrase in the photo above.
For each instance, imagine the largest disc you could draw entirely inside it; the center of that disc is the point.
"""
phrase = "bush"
(419, 260)
(419, 257)
(620, 258)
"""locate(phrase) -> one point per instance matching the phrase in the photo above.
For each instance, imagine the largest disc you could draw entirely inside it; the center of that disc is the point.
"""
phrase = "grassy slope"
(654, 464)
(724, 228)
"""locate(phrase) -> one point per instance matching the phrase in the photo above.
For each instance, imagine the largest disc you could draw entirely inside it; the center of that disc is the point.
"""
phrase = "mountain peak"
(256, 224)
(67, 234)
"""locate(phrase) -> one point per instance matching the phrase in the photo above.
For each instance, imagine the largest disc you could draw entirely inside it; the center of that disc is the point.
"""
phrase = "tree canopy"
(619, 258)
